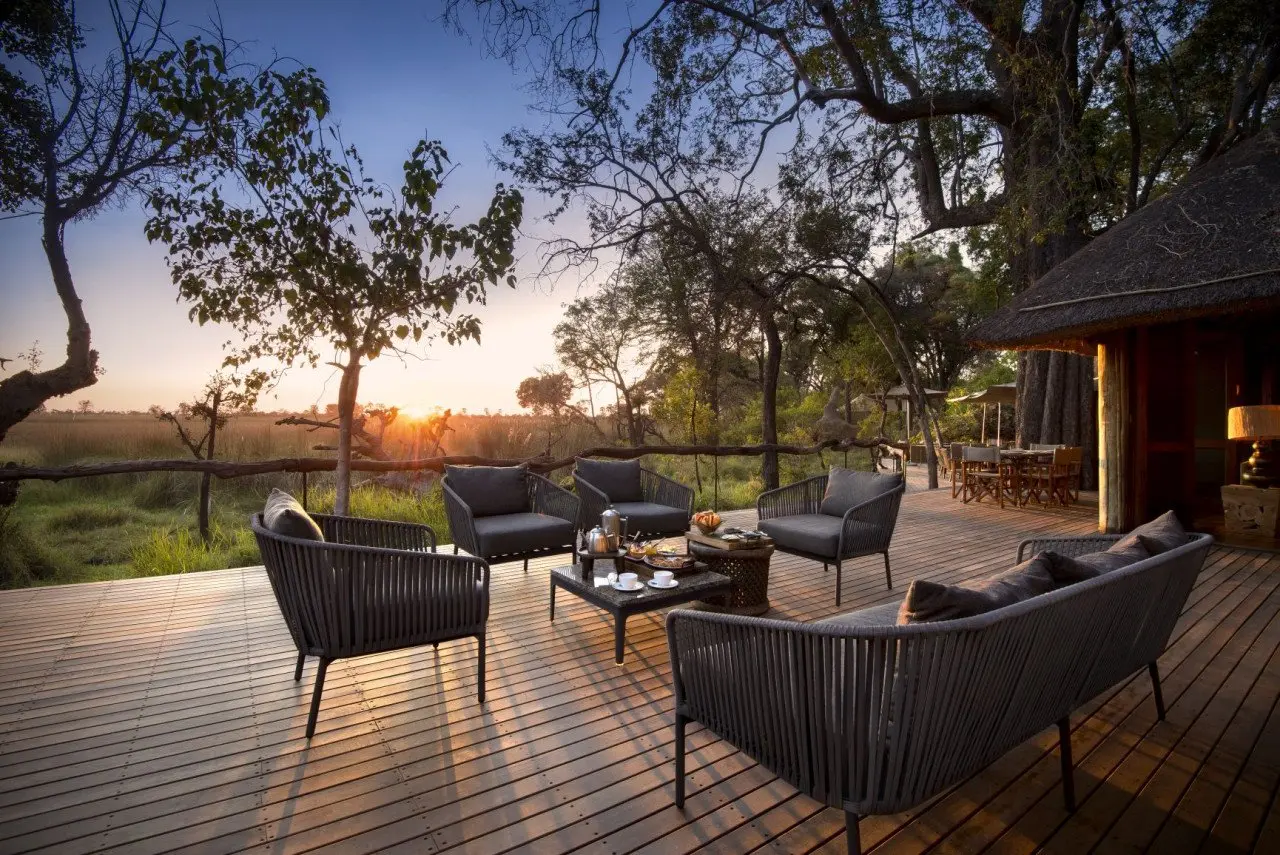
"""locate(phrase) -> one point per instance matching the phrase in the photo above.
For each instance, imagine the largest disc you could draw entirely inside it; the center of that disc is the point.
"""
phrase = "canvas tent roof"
(1001, 393)
(896, 399)
(1209, 247)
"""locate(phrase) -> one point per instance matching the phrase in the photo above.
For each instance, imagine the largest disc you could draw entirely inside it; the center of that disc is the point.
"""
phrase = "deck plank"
(159, 715)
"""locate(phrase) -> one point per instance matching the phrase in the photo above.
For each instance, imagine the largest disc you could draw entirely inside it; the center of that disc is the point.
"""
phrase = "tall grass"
(120, 526)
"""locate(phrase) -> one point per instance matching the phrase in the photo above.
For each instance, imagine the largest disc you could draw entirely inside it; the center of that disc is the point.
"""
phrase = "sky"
(394, 75)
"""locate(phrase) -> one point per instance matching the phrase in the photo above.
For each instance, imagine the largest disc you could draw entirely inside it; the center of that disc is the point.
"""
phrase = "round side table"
(749, 570)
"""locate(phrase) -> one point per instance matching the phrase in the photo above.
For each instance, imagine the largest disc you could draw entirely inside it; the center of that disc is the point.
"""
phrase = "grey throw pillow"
(491, 490)
(283, 514)
(1068, 570)
(847, 488)
(617, 479)
(1163, 533)
(929, 601)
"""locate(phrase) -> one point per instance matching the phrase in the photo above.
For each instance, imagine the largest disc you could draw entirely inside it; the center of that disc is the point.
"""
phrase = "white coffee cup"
(628, 580)
(662, 577)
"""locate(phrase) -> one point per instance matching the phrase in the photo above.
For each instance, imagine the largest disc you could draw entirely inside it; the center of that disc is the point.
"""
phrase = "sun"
(416, 413)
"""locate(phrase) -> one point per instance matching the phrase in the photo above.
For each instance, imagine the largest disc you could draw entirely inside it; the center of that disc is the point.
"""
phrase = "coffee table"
(595, 587)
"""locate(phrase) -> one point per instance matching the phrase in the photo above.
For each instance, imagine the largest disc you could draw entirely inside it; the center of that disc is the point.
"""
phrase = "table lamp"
(1259, 424)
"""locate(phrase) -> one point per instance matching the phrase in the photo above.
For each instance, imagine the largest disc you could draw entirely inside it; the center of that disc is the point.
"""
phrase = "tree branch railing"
(12, 472)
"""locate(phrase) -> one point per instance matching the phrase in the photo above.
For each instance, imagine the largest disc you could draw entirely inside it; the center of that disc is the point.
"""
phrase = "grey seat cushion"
(617, 479)
(930, 601)
(283, 514)
(818, 534)
(1163, 533)
(885, 614)
(490, 490)
(1067, 570)
(847, 488)
(649, 517)
(509, 533)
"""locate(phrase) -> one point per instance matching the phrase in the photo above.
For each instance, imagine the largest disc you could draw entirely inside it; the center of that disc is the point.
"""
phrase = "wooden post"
(1113, 422)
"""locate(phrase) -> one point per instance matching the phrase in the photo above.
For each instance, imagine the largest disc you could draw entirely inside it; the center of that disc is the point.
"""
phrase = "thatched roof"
(1209, 247)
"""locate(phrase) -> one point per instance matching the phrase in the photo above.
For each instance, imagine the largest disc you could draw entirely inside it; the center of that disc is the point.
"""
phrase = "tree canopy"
(280, 234)
(81, 128)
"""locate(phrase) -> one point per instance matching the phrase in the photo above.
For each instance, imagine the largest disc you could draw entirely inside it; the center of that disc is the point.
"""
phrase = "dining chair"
(983, 474)
(955, 460)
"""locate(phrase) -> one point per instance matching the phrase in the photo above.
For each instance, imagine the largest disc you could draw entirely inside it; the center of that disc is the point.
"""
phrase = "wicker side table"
(749, 570)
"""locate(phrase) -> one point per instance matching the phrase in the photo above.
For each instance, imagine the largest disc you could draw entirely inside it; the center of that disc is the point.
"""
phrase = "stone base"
(1249, 510)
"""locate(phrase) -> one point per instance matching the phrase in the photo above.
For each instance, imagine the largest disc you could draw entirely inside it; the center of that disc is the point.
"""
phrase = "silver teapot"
(615, 526)
(598, 541)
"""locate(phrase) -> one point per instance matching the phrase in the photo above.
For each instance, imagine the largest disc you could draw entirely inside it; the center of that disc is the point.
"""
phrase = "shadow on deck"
(159, 714)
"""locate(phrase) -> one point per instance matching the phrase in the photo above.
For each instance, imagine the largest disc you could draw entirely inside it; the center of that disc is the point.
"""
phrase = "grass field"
(121, 526)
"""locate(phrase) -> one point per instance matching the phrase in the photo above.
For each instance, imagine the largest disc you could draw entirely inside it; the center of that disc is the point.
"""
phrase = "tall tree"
(1044, 122)
(80, 130)
(315, 253)
(601, 341)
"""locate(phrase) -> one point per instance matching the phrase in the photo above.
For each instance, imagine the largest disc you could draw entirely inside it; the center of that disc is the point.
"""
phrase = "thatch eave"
(1208, 248)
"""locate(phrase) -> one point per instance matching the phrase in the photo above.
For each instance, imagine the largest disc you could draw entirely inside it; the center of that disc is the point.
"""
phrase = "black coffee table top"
(596, 587)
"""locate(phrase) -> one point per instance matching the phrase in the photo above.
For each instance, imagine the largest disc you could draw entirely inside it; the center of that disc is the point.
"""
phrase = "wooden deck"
(159, 715)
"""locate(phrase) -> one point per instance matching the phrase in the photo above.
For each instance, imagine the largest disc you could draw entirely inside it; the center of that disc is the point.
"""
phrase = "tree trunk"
(902, 360)
(24, 392)
(1056, 399)
(202, 514)
(769, 407)
(347, 391)
(693, 435)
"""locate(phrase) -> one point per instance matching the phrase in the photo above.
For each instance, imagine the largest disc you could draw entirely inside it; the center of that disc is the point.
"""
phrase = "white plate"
(618, 587)
(653, 584)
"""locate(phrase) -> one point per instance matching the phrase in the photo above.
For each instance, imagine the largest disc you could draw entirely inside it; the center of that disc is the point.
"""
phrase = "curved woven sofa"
(878, 718)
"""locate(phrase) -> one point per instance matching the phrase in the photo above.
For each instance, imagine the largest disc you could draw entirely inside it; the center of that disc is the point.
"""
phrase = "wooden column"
(1114, 366)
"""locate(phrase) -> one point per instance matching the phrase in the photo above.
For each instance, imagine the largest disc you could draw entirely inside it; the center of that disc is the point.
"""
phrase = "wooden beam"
(1114, 360)
(228, 469)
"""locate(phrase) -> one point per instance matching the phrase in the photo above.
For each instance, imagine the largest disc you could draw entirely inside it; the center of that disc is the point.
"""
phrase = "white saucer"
(653, 584)
(618, 587)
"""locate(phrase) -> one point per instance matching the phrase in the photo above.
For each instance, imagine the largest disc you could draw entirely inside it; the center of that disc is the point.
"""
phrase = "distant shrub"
(86, 517)
(174, 551)
(373, 501)
(165, 490)
(24, 560)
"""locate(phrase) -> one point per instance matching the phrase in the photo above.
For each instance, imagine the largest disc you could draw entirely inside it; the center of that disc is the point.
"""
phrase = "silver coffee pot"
(614, 525)
(598, 541)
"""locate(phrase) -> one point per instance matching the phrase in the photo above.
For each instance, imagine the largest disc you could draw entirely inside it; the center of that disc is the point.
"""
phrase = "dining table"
(1021, 460)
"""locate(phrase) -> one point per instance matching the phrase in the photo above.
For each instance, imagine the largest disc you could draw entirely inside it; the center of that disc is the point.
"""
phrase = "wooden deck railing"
(542, 464)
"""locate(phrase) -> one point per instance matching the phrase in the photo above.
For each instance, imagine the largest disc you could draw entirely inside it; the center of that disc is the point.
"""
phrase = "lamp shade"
(1254, 423)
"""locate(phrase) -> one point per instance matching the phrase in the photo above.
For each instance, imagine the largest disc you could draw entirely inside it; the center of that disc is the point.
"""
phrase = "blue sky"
(394, 74)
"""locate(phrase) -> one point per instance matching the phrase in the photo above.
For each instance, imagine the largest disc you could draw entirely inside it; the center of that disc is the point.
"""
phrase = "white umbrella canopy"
(896, 400)
(999, 394)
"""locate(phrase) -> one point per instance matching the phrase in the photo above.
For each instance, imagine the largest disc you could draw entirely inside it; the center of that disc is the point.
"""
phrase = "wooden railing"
(541, 465)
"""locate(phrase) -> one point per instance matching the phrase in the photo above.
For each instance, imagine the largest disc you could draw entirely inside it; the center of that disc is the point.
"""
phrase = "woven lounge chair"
(876, 718)
(809, 520)
(654, 506)
(371, 586)
(506, 513)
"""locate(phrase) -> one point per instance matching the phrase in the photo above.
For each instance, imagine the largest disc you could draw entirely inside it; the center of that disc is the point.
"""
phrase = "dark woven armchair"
(506, 513)
(653, 505)
(372, 586)
(809, 520)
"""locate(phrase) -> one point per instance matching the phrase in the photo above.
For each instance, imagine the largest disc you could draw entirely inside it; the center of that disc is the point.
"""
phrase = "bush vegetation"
(121, 526)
